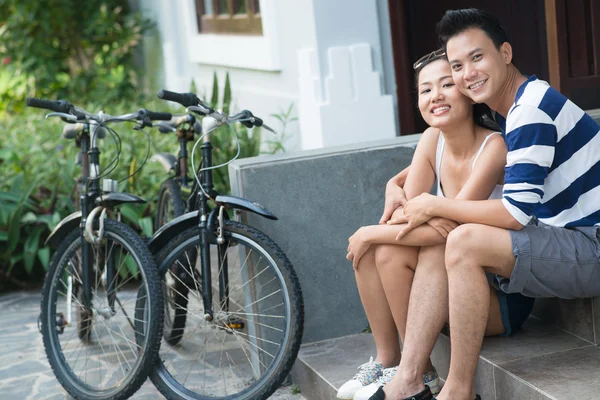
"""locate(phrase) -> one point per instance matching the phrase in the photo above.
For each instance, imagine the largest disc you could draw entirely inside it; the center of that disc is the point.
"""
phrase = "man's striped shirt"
(553, 161)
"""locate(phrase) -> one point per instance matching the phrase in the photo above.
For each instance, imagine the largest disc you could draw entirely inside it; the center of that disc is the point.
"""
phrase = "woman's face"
(440, 102)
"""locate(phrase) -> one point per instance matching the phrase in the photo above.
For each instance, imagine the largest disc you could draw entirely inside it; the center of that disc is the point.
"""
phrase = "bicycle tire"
(169, 206)
(170, 203)
(119, 241)
(239, 237)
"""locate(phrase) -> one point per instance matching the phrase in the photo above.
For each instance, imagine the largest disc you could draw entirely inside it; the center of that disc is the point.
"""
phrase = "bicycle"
(175, 190)
(241, 345)
(99, 270)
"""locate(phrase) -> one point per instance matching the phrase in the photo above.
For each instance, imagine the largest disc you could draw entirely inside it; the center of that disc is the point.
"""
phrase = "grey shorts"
(554, 262)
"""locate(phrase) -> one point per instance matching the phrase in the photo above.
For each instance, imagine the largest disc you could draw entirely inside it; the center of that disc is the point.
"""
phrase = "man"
(541, 238)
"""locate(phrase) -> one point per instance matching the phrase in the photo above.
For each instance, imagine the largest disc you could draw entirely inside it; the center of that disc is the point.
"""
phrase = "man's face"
(478, 68)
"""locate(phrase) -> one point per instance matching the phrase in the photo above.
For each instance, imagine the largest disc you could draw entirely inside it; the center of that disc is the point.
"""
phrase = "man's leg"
(396, 266)
(469, 298)
(427, 313)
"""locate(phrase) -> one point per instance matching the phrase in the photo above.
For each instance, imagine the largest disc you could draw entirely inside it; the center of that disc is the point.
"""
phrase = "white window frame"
(248, 52)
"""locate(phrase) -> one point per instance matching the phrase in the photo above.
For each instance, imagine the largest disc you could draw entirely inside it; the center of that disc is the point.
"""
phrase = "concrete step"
(539, 362)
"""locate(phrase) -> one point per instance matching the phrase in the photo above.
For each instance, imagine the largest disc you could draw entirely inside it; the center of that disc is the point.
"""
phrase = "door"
(574, 49)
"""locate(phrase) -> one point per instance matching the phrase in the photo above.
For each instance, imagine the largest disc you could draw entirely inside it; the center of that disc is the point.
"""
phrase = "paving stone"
(25, 373)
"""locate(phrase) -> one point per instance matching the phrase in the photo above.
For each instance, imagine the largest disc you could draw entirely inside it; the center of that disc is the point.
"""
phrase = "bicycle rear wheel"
(249, 347)
(99, 354)
(170, 203)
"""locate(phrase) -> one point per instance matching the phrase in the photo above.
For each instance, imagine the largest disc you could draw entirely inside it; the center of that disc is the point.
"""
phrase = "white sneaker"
(368, 373)
(431, 379)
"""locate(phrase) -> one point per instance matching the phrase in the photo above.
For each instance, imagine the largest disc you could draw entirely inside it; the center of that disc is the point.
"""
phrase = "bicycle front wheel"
(250, 345)
(101, 352)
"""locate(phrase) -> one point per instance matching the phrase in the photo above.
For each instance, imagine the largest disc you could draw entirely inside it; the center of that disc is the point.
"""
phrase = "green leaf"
(30, 249)
(3, 236)
(131, 265)
(130, 213)
(28, 218)
(44, 257)
(8, 154)
(214, 100)
(146, 226)
(227, 94)
(14, 230)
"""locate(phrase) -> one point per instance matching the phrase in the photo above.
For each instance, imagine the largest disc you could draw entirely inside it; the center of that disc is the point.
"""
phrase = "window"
(240, 17)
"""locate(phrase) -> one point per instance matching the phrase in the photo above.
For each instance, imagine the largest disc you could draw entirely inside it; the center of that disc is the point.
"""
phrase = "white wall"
(268, 84)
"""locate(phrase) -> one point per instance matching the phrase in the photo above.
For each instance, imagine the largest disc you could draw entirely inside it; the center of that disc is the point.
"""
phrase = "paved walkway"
(24, 371)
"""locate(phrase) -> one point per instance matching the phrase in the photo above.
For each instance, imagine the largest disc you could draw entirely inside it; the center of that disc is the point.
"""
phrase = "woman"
(467, 159)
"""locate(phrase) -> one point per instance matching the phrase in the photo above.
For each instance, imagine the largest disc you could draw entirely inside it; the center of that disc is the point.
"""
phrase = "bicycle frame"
(87, 199)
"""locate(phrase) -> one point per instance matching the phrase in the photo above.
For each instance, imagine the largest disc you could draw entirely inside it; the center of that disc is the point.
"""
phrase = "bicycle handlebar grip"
(258, 121)
(62, 106)
(185, 99)
(159, 116)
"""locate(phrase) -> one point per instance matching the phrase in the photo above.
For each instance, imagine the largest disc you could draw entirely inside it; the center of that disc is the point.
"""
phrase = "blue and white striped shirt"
(553, 162)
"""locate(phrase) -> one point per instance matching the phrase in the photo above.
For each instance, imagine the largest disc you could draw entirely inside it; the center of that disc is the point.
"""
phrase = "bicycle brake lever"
(63, 116)
(267, 127)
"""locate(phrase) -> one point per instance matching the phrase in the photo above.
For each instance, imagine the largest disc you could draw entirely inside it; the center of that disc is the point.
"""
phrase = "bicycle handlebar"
(193, 103)
(62, 106)
(185, 99)
(156, 116)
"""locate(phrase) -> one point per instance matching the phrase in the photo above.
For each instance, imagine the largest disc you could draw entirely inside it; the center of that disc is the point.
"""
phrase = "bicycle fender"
(239, 203)
(63, 228)
(113, 199)
(168, 161)
(171, 229)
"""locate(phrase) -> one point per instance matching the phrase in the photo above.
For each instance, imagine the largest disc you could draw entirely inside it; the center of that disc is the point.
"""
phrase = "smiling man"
(541, 238)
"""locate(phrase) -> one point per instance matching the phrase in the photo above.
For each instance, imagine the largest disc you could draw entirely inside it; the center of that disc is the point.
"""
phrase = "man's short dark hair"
(457, 21)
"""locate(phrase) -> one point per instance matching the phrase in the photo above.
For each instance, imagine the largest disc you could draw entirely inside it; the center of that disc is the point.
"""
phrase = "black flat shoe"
(425, 394)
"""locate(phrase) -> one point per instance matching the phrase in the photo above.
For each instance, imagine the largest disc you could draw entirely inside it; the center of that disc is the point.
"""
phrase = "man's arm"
(486, 212)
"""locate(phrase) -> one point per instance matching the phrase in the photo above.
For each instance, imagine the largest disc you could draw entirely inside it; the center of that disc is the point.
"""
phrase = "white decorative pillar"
(340, 81)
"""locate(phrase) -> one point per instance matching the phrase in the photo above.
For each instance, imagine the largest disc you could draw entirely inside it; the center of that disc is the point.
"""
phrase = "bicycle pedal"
(231, 324)
(235, 324)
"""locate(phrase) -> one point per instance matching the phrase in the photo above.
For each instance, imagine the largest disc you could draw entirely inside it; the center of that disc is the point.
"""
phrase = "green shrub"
(63, 48)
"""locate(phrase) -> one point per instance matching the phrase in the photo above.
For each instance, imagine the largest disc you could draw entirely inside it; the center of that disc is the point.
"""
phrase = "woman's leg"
(428, 274)
(385, 324)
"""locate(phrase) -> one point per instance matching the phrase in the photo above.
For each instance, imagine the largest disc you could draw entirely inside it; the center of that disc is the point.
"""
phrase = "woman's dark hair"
(482, 114)
(457, 21)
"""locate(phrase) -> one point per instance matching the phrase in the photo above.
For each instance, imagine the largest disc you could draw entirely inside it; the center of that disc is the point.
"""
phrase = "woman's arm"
(395, 189)
(399, 179)
(421, 174)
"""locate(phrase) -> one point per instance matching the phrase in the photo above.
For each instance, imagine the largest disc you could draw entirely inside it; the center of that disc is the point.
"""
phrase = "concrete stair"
(554, 356)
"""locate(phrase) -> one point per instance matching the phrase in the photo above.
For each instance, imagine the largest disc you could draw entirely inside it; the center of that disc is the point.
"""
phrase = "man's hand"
(394, 198)
(415, 213)
(442, 225)
(358, 246)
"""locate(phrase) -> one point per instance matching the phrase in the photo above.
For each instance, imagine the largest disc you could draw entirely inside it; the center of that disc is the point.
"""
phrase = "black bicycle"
(98, 272)
(241, 343)
(175, 190)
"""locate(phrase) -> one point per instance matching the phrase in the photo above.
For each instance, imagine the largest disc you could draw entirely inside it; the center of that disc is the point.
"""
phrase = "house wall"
(331, 59)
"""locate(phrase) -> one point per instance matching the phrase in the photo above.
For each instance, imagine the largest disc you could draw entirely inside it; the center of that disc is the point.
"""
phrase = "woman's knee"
(395, 255)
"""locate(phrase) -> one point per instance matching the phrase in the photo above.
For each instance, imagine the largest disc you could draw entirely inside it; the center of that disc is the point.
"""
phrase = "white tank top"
(496, 194)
